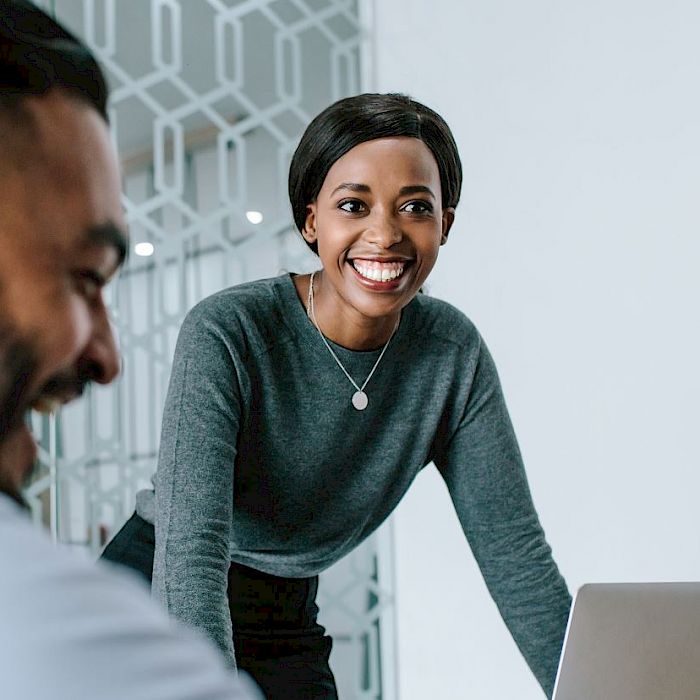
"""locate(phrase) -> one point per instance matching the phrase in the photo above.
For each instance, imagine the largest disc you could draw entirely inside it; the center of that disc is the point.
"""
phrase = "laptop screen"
(632, 641)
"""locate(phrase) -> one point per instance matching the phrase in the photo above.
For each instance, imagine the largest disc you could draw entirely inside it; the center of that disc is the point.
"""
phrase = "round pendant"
(360, 400)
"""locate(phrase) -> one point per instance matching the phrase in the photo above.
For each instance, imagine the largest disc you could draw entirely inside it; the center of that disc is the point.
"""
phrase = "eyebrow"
(110, 235)
(403, 192)
(416, 189)
(352, 186)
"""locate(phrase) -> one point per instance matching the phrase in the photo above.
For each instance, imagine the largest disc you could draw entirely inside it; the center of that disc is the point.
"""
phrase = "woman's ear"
(448, 218)
(309, 231)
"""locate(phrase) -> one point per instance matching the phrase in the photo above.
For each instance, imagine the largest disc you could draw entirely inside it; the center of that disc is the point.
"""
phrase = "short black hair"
(354, 120)
(37, 55)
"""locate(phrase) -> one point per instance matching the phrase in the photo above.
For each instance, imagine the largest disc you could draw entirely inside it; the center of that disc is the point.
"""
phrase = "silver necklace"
(359, 398)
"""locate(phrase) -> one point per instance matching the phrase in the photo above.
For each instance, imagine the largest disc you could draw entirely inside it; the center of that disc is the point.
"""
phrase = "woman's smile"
(378, 274)
(379, 270)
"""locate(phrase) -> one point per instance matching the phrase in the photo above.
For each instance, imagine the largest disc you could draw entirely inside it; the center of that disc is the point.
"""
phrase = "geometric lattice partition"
(209, 98)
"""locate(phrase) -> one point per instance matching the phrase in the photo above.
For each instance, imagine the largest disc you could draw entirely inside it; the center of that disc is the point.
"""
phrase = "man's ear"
(448, 218)
(309, 231)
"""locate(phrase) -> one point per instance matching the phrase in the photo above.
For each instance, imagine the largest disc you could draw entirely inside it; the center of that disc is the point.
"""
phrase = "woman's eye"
(417, 207)
(353, 206)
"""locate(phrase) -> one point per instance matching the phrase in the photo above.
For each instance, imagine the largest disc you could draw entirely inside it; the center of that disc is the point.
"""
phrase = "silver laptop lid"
(632, 641)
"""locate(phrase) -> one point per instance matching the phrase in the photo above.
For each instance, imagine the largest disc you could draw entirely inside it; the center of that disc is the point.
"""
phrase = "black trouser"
(276, 637)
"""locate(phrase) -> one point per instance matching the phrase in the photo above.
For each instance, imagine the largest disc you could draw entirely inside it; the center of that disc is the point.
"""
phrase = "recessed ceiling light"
(144, 249)
(255, 217)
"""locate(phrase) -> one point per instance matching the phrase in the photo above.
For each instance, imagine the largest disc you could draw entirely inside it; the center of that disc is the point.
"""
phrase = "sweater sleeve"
(483, 470)
(194, 482)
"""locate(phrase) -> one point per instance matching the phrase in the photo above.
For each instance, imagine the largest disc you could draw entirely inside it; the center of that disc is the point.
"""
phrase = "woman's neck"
(341, 322)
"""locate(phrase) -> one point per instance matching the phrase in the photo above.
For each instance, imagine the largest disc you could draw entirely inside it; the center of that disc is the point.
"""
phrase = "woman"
(301, 408)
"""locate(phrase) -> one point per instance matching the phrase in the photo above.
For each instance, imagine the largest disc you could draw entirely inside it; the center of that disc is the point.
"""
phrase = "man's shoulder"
(92, 630)
(48, 574)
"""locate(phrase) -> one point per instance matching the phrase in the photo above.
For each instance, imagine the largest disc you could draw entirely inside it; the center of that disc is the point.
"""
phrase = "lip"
(48, 403)
(382, 258)
(374, 285)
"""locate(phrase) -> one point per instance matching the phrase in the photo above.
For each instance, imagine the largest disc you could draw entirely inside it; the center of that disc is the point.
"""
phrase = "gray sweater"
(264, 461)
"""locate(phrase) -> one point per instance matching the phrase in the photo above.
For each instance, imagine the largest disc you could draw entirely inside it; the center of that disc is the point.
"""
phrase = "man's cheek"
(62, 338)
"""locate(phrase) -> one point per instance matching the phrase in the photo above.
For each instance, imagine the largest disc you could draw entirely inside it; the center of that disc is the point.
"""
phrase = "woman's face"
(379, 223)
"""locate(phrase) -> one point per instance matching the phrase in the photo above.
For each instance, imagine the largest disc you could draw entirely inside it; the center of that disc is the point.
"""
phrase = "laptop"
(632, 641)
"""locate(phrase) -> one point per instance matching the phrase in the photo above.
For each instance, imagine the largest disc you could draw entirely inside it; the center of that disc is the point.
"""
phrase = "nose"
(100, 360)
(383, 230)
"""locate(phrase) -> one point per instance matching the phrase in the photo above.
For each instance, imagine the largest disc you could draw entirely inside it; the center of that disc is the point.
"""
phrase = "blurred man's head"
(61, 226)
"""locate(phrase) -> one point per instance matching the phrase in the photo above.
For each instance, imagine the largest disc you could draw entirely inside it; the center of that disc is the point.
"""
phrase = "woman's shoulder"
(246, 299)
(252, 313)
(443, 322)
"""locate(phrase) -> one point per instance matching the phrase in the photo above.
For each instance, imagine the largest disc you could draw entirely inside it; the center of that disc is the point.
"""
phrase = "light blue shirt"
(71, 629)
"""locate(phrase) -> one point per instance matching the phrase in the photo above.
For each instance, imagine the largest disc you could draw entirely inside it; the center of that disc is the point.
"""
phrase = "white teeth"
(379, 272)
(46, 405)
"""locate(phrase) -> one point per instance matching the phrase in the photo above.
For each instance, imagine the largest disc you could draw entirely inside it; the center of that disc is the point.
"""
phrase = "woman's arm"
(194, 482)
(484, 473)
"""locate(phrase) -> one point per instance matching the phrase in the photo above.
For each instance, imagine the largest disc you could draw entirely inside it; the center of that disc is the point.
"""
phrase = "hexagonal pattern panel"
(209, 98)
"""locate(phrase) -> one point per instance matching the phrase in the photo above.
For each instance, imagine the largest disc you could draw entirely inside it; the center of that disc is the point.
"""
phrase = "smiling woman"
(377, 224)
(301, 408)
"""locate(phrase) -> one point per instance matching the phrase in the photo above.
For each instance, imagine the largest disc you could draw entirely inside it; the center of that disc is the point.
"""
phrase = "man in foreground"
(68, 628)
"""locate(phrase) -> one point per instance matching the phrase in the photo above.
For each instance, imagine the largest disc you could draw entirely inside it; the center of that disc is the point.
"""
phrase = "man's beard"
(17, 368)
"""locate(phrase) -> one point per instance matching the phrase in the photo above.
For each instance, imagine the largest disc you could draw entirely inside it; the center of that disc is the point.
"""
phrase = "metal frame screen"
(208, 101)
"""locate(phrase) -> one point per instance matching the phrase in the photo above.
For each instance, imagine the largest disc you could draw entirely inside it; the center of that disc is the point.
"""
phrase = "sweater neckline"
(304, 326)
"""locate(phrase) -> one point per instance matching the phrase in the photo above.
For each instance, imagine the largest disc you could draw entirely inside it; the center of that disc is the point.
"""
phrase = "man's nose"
(101, 359)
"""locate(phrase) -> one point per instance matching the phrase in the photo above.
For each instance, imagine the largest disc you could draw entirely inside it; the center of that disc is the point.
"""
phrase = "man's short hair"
(37, 55)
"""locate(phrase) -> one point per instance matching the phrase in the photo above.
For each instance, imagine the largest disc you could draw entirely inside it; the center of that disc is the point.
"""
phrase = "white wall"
(575, 251)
